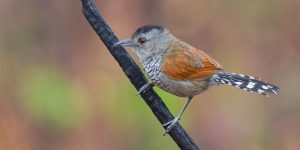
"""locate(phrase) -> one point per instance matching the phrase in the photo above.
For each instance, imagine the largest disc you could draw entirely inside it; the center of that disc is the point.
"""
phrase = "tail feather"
(245, 82)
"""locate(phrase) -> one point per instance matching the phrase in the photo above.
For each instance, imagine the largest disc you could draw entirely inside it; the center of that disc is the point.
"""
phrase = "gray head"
(148, 40)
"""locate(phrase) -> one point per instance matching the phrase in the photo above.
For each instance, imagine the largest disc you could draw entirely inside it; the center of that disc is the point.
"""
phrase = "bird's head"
(148, 40)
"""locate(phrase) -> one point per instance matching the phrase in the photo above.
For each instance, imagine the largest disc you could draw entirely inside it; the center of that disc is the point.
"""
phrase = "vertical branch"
(135, 75)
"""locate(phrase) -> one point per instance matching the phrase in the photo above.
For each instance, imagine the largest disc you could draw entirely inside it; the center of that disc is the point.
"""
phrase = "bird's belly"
(182, 88)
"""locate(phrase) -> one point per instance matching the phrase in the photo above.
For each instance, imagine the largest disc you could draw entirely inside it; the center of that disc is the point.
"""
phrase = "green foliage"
(51, 98)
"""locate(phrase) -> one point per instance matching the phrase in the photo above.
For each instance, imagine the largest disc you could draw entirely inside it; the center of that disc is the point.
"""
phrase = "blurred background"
(60, 89)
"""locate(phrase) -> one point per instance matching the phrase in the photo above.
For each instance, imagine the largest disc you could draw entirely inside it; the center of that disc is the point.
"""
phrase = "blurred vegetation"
(60, 89)
(52, 99)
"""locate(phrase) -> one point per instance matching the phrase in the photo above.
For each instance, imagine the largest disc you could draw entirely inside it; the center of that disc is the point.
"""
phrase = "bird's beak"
(126, 42)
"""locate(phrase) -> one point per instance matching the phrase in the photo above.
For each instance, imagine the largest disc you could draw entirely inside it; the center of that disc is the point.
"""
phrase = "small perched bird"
(183, 70)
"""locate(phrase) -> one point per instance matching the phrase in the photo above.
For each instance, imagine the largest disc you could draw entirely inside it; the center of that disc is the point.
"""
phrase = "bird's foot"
(145, 88)
(170, 124)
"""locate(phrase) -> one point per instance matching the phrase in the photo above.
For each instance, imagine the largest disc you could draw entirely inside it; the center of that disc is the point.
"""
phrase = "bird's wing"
(183, 62)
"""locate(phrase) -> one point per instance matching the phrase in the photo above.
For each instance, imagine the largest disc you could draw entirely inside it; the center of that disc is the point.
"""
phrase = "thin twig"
(135, 75)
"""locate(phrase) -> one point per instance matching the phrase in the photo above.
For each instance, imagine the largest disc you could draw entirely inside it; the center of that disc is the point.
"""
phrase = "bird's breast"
(152, 68)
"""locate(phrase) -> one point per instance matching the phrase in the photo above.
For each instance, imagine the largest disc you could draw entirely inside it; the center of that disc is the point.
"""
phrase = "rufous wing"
(183, 62)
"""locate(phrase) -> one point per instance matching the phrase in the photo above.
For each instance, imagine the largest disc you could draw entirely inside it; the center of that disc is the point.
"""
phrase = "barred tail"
(247, 83)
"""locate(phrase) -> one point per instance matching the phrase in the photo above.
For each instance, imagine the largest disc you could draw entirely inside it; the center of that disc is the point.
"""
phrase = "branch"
(135, 75)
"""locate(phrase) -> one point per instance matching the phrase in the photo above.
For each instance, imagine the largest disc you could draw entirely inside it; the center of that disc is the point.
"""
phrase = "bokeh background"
(61, 90)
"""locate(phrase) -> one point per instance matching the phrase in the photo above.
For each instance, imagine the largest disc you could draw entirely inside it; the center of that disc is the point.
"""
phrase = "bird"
(183, 70)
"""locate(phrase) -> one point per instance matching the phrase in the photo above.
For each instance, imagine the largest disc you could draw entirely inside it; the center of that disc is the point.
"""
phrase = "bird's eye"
(142, 40)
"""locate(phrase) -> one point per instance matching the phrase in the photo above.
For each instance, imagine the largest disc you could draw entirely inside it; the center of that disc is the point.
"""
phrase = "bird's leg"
(145, 87)
(171, 124)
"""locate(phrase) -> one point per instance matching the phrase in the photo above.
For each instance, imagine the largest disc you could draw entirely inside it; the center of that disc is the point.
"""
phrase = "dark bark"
(135, 75)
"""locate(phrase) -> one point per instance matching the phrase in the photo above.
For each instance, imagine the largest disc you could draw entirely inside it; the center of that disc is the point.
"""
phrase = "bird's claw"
(170, 125)
(144, 88)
